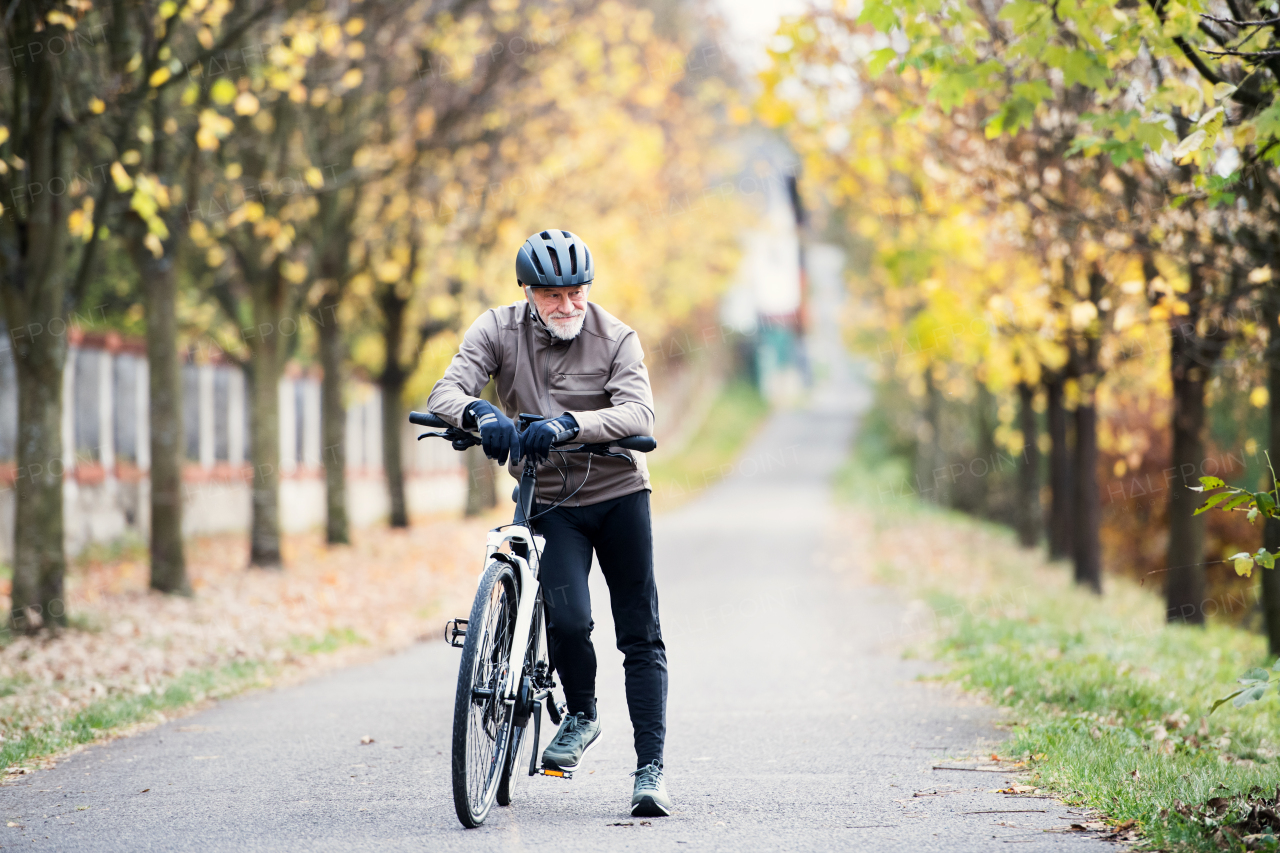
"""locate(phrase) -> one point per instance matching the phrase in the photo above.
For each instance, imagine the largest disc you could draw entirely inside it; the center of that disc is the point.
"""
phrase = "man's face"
(563, 309)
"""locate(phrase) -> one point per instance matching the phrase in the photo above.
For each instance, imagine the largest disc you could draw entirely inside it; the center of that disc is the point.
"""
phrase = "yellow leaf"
(246, 104)
(304, 43)
(253, 211)
(298, 94)
(388, 271)
(355, 26)
(1243, 564)
(223, 91)
(134, 63)
(352, 78)
(160, 76)
(4, 134)
(167, 10)
(131, 157)
(294, 271)
(123, 182)
(1184, 149)
(1257, 275)
(61, 19)
(314, 177)
(1259, 397)
(215, 256)
(153, 243)
(97, 106)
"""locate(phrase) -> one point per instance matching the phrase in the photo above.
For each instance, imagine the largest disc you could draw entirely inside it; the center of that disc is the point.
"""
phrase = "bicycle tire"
(517, 764)
(482, 725)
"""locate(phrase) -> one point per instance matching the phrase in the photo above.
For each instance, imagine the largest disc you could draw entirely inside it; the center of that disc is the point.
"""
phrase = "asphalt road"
(794, 722)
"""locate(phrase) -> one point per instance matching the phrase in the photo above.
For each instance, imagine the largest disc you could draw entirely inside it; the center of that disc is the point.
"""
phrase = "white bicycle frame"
(527, 568)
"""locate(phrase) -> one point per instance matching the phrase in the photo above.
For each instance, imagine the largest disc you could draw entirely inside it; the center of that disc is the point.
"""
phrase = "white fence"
(105, 440)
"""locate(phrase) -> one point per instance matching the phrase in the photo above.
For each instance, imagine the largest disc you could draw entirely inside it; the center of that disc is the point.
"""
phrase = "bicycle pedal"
(559, 774)
(455, 631)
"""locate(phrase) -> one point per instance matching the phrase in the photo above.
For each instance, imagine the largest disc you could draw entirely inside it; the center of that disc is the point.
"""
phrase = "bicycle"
(505, 634)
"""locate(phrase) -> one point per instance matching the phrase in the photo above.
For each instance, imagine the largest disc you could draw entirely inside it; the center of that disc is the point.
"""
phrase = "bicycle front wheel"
(523, 722)
(481, 714)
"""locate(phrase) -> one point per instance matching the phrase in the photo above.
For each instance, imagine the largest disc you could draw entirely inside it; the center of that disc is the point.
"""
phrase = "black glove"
(537, 437)
(498, 434)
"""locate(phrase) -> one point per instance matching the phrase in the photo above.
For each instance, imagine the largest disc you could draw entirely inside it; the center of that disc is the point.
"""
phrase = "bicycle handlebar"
(639, 443)
(427, 419)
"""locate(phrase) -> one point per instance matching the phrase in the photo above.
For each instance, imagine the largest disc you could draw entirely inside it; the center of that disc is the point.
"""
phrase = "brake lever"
(603, 450)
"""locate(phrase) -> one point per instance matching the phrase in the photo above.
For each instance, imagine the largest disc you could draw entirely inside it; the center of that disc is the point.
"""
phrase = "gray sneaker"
(576, 735)
(650, 797)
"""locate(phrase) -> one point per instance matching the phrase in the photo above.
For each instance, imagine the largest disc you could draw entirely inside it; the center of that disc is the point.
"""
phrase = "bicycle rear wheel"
(481, 716)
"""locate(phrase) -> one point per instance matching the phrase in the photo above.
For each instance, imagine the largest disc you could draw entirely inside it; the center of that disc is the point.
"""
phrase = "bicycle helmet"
(554, 258)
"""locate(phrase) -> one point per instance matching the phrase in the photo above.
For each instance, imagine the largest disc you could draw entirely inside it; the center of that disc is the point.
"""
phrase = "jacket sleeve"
(630, 394)
(469, 372)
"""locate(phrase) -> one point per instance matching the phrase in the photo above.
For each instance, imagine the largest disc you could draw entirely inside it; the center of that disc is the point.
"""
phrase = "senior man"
(557, 355)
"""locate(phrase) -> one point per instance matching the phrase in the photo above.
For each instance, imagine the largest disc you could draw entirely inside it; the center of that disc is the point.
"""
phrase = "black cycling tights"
(620, 532)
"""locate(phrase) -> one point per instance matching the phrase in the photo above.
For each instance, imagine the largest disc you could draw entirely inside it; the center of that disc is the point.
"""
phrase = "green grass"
(330, 641)
(1095, 688)
(1098, 690)
(709, 455)
(114, 713)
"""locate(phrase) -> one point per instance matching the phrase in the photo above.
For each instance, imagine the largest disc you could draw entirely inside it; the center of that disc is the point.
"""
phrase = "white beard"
(566, 328)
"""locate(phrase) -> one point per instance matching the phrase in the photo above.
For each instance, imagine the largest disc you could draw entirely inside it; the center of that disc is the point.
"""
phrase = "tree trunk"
(1087, 516)
(931, 462)
(33, 280)
(159, 276)
(482, 474)
(1184, 584)
(39, 561)
(392, 384)
(987, 449)
(1028, 508)
(333, 414)
(1061, 493)
(1271, 534)
(267, 349)
(392, 461)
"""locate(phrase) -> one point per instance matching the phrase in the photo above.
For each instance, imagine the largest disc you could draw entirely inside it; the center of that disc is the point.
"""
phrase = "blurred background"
(241, 239)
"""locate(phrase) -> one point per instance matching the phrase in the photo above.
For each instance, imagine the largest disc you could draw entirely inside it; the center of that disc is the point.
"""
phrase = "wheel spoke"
(488, 713)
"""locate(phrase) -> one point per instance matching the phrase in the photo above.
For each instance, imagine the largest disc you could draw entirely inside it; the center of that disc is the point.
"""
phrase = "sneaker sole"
(649, 807)
(570, 768)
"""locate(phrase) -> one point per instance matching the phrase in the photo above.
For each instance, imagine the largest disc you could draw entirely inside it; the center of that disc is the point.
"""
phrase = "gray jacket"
(599, 377)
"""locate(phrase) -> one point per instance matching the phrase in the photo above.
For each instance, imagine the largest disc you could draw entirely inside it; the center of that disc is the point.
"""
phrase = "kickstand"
(537, 735)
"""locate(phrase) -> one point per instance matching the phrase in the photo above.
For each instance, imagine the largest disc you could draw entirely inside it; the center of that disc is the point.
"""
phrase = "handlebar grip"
(562, 437)
(427, 419)
(642, 443)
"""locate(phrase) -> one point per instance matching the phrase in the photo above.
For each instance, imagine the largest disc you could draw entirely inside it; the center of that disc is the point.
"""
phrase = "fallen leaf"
(1019, 789)
(144, 790)
(366, 740)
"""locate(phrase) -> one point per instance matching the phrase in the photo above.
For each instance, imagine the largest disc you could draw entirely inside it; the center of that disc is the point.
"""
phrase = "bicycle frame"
(526, 568)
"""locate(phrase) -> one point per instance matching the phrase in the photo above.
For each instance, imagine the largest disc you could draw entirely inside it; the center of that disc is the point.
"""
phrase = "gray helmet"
(541, 254)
